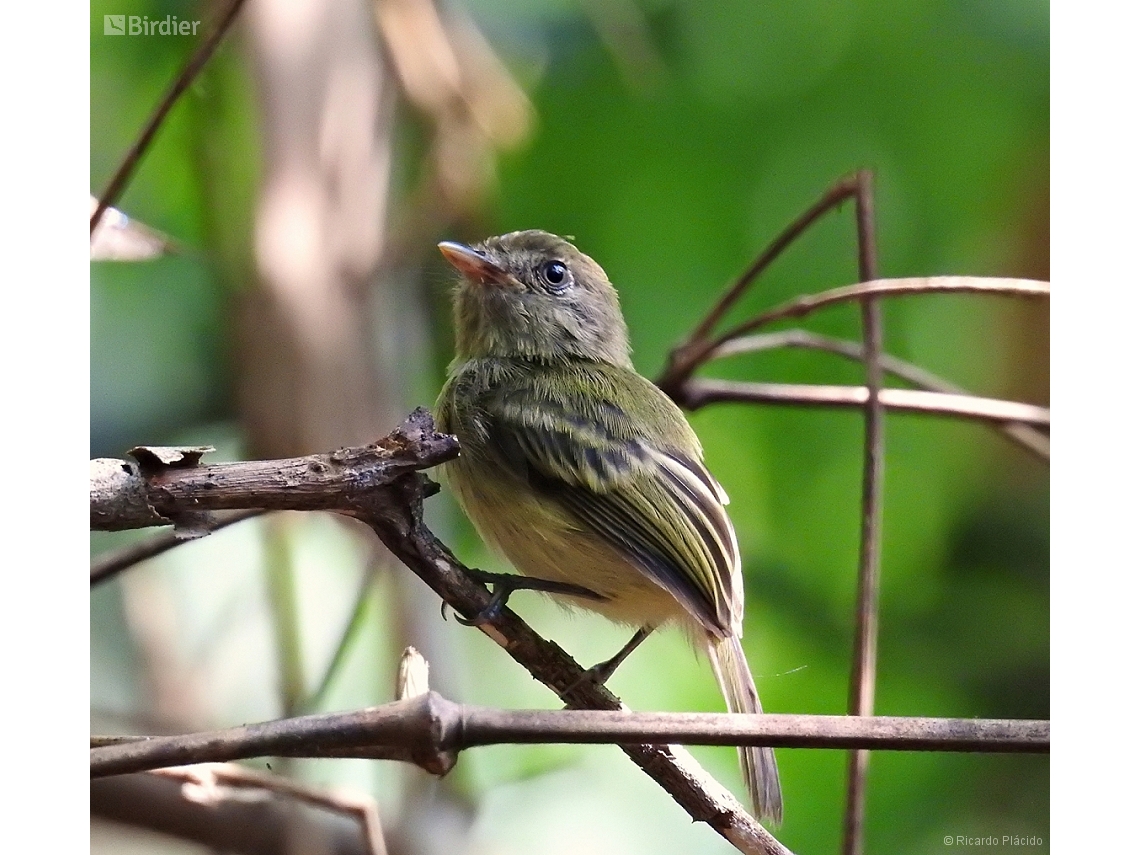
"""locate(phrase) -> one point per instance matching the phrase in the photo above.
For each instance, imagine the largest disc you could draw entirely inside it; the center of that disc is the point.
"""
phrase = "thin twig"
(181, 83)
(430, 730)
(114, 561)
(838, 193)
(798, 337)
(215, 783)
(1024, 435)
(809, 303)
(701, 392)
(687, 358)
(861, 701)
(261, 826)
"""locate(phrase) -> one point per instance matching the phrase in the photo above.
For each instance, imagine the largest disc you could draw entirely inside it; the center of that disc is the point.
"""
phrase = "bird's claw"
(499, 595)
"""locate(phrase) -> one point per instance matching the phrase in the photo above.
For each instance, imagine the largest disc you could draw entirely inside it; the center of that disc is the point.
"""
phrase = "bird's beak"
(475, 265)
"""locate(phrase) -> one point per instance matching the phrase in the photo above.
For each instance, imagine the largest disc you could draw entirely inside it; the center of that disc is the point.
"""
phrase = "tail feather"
(758, 764)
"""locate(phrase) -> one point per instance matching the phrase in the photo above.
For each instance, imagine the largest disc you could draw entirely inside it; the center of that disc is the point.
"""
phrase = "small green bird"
(580, 471)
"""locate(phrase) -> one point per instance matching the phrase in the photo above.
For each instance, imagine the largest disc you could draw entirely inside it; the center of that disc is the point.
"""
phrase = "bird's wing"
(653, 500)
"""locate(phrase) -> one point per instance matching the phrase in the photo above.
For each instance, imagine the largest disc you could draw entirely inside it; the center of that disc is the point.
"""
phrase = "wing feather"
(653, 500)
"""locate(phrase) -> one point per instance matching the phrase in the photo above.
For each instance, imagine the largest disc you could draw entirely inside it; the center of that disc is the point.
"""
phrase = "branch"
(164, 486)
(685, 359)
(861, 700)
(189, 71)
(835, 195)
(380, 486)
(400, 527)
(261, 827)
(808, 303)
(1024, 435)
(701, 392)
(214, 784)
(429, 731)
(114, 561)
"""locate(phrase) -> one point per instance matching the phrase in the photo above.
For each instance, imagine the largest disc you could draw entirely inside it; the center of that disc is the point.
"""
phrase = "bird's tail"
(758, 764)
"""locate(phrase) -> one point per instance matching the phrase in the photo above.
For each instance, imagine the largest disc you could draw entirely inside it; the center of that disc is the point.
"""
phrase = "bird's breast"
(541, 540)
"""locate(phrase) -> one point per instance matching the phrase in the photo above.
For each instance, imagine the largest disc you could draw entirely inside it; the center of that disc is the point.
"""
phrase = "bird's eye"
(555, 275)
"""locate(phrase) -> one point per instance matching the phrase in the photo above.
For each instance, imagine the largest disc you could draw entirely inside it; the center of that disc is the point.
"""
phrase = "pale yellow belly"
(539, 540)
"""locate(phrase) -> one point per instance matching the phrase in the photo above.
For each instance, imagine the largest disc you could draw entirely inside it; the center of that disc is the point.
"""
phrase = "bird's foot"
(505, 584)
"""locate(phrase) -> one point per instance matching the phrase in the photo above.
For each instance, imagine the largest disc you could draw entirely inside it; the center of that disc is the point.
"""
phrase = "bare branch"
(808, 303)
(1022, 434)
(861, 701)
(151, 492)
(380, 486)
(216, 783)
(399, 524)
(429, 731)
(115, 561)
(181, 83)
(836, 195)
(263, 826)
(685, 359)
(701, 392)
(762, 342)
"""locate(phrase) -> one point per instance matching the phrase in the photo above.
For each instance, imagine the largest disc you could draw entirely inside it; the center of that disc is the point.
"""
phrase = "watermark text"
(141, 25)
(993, 840)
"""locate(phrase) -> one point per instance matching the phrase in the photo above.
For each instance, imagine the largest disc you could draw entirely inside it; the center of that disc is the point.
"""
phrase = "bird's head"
(533, 295)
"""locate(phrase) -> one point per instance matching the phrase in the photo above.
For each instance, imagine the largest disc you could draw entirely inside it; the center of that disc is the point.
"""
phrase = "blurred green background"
(673, 139)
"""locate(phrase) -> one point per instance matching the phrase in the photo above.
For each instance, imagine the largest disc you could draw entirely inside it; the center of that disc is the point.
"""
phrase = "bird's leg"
(601, 673)
(604, 670)
(505, 584)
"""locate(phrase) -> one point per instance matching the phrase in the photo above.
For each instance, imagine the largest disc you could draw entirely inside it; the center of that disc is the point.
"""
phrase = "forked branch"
(1018, 421)
(380, 486)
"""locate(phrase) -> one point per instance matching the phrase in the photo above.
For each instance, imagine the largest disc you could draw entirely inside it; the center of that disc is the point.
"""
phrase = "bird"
(583, 473)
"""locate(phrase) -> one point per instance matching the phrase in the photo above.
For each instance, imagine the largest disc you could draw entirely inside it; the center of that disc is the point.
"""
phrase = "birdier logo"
(141, 25)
